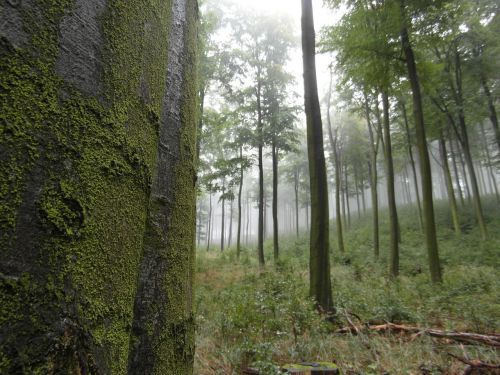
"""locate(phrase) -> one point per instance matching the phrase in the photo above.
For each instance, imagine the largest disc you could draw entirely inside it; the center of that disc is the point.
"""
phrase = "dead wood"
(465, 337)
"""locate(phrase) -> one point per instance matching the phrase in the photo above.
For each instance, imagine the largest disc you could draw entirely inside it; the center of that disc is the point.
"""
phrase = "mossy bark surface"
(82, 85)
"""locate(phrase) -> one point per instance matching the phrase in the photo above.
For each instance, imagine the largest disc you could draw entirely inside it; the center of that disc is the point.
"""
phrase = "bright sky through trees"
(322, 17)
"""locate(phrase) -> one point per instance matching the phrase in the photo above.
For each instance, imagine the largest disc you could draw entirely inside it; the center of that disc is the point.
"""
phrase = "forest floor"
(264, 318)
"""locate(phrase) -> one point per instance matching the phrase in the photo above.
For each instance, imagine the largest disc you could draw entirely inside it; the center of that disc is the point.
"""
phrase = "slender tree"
(319, 262)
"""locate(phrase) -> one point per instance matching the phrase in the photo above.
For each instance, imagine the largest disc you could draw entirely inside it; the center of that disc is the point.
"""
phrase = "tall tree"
(425, 166)
(319, 260)
(335, 152)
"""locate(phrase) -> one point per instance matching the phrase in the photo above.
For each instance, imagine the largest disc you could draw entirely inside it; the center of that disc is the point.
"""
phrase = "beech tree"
(319, 260)
(97, 184)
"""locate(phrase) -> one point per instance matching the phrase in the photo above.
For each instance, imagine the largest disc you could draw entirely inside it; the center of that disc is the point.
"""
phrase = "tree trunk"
(464, 139)
(455, 172)
(223, 207)
(230, 237)
(391, 195)
(238, 238)
(260, 235)
(491, 173)
(333, 143)
(356, 188)
(209, 227)
(86, 104)
(363, 199)
(346, 191)
(200, 225)
(413, 169)
(491, 108)
(248, 215)
(425, 166)
(449, 186)
(275, 202)
(319, 262)
(296, 191)
(374, 145)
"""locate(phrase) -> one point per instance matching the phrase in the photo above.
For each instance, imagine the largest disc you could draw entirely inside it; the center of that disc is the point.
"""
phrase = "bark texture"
(425, 165)
(87, 140)
(319, 260)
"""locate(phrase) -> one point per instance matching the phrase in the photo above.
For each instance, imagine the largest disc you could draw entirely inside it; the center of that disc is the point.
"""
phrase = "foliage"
(245, 316)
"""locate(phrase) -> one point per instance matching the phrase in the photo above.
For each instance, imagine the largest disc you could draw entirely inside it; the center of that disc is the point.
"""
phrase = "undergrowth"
(264, 317)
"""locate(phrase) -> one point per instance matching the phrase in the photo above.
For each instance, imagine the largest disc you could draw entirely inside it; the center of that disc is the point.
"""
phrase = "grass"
(265, 318)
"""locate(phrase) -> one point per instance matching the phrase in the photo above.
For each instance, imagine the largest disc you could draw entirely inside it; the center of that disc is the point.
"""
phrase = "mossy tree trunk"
(86, 101)
(319, 261)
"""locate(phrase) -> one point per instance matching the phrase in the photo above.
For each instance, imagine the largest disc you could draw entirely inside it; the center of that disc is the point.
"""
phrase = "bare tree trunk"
(260, 239)
(491, 173)
(391, 195)
(333, 143)
(209, 229)
(275, 202)
(372, 166)
(425, 166)
(222, 218)
(464, 139)
(319, 263)
(346, 190)
(238, 238)
(230, 237)
(412, 161)
(491, 107)
(356, 188)
(248, 219)
(449, 186)
(296, 191)
(455, 172)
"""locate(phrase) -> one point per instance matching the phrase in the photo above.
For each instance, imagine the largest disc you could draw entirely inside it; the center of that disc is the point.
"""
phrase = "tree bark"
(209, 229)
(231, 213)
(492, 109)
(455, 172)
(464, 140)
(296, 191)
(240, 189)
(319, 262)
(449, 186)
(223, 207)
(346, 192)
(275, 202)
(489, 161)
(413, 169)
(88, 99)
(425, 166)
(333, 144)
(374, 145)
(260, 235)
(391, 195)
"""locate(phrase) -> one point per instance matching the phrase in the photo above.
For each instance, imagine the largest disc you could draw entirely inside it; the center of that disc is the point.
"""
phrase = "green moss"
(87, 162)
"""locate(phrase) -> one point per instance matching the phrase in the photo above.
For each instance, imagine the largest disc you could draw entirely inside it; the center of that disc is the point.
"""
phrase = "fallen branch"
(466, 337)
(476, 364)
